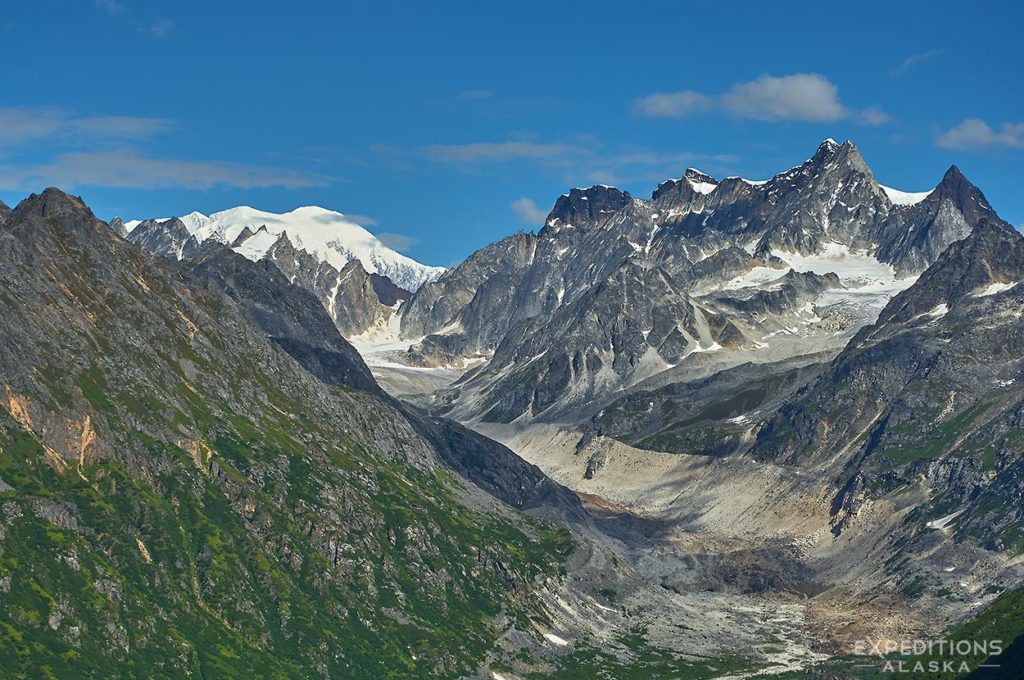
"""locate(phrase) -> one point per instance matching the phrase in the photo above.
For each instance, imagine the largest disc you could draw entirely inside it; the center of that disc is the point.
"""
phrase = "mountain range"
(732, 429)
(706, 274)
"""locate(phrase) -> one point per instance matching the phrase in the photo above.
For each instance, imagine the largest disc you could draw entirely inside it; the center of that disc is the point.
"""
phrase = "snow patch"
(943, 523)
(257, 245)
(995, 288)
(554, 639)
(904, 197)
(702, 187)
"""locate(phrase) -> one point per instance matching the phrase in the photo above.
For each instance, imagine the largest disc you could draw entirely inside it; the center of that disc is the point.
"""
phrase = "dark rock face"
(708, 416)
(913, 236)
(5, 212)
(486, 273)
(169, 238)
(584, 208)
(290, 316)
(387, 292)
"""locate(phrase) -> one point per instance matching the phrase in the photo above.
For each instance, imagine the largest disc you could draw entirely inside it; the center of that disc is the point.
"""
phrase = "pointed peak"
(354, 266)
(965, 195)
(953, 172)
(953, 181)
(242, 237)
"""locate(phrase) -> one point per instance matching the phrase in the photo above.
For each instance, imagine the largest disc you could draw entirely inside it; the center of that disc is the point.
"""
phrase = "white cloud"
(912, 61)
(399, 242)
(974, 133)
(20, 125)
(672, 104)
(528, 212)
(801, 96)
(130, 170)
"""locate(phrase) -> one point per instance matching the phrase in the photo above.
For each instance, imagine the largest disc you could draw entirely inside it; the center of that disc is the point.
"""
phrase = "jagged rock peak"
(586, 207)
(65, 213)
(243, 236)
(53, 203)
(118, 226)
(354, 266)
(830, 150)
(956, 187)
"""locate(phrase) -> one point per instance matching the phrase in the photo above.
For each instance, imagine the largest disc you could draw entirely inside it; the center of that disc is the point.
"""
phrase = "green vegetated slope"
(180, 499)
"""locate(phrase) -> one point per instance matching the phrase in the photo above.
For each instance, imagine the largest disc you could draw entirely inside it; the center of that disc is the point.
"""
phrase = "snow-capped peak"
(328, 235)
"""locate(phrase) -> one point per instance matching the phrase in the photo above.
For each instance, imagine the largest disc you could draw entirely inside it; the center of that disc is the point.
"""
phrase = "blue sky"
(448, 125)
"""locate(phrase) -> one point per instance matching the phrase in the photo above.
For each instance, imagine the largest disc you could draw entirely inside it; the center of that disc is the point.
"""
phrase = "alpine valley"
(737, 428)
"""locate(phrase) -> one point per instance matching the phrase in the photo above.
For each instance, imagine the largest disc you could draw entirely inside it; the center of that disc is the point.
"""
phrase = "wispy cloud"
(974, 133)
(585, 159)
(363, 220)
(475, 95)
(671, 104)
(528, 212)
(399, 242)
(159, 27)
(874, 115)
(797, 97)
(111, 7)
(912, 61)
(128, 169)
(20, 125)
(497, 151)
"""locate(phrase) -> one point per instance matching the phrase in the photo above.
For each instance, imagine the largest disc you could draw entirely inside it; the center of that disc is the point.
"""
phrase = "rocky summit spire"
(586, 207)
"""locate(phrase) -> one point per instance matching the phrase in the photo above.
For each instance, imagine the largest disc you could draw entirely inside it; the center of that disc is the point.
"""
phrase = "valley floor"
(725, 564)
